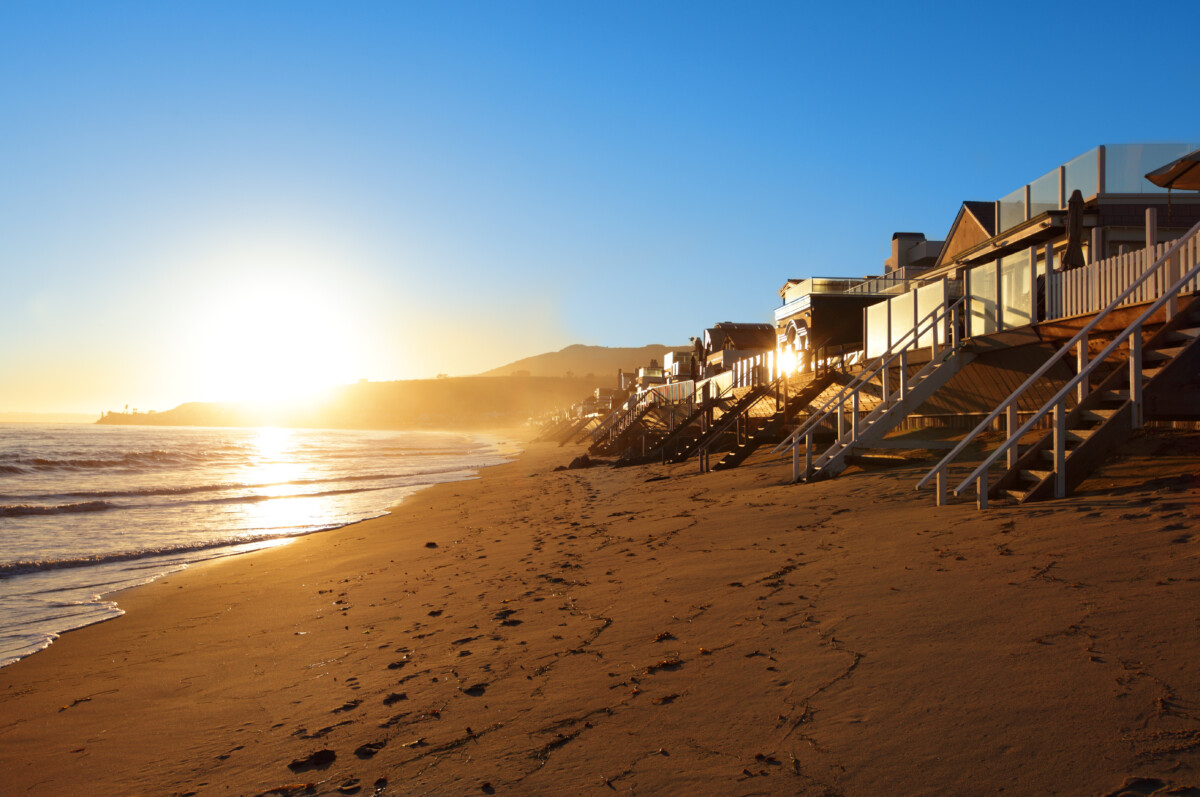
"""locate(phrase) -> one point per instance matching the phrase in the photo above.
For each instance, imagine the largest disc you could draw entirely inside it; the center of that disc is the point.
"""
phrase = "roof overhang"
(1041, 228)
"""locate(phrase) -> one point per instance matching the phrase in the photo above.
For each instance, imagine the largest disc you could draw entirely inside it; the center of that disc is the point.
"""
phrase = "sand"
(654, 630)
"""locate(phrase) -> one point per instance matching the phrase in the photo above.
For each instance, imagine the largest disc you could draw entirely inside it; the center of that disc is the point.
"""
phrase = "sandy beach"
(653, 630)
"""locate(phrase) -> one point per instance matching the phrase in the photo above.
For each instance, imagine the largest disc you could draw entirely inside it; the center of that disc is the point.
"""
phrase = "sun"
(270, 339)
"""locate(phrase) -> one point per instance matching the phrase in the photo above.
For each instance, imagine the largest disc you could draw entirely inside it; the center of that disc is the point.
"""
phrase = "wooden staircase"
(685, 448)
(1104, 419)
(857, 434)
(772, 428)
(1131, 367)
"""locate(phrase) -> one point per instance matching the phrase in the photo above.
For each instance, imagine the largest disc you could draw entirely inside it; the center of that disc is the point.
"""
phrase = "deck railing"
(1089, 289)
(940, 324)
(1168, 270)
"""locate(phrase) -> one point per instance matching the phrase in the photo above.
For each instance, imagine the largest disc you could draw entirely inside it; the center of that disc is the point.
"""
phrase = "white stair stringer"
(888, 414)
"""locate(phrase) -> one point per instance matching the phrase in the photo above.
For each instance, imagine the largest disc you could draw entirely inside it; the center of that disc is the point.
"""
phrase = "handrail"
(1133, 328)
(1066, 348)
(724, 425)
(934, 316)
(730, 418)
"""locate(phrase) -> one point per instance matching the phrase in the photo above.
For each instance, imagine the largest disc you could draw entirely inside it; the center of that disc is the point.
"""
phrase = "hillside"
(600, 361)
(455, 403)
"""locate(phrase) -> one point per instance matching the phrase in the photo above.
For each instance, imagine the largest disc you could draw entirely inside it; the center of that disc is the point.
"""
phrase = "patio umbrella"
(1073, 255)
(1181, 173)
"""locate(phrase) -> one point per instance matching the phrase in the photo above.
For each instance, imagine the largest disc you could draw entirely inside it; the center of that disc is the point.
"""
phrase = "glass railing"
(1125, 168)
(1081, 173)
(1012, 209)
(1043, 194)
(1126, 165)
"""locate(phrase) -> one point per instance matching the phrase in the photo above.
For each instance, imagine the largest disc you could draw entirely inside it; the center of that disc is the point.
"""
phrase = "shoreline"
(589, 629)
(102, 605)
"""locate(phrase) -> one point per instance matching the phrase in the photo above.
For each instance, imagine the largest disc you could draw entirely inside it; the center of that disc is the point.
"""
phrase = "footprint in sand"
(318, 760)
(1135, 787)
(370, 748)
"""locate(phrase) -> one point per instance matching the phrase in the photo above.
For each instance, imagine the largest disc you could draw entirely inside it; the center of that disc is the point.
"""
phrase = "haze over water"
(86, 510)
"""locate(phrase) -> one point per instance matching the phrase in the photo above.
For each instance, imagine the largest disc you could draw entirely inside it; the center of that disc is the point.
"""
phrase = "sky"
(205, 201)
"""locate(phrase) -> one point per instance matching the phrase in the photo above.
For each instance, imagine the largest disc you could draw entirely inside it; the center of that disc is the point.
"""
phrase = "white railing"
(1089, 289)
(890, 319)
(753, 371)
(1165, 270)
(939, 318)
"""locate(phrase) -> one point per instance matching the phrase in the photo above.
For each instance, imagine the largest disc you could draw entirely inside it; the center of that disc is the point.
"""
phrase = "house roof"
(984, 213)
(739, 336)
(975, 223)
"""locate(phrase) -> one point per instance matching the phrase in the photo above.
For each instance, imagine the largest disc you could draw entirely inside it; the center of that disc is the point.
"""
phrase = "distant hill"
(470, 402)
(46, 417)
(600, 361)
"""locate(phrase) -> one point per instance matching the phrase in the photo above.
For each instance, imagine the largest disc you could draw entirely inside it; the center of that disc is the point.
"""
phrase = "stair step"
(1035, 475)
(1115, 396)
(1098, 414)
(1078, 435)
(1183, 335)
(1017, 495)
(1163, 353)
(1150, 373)
(1047, 455)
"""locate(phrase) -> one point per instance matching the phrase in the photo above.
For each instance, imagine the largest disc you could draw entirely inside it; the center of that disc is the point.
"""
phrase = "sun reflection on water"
(275, 468)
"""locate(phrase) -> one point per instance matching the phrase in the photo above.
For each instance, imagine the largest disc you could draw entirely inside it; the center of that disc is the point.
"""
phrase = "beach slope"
(654, 630)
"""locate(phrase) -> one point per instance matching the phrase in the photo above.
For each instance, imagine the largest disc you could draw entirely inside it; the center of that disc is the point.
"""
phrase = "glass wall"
(877, 329)
(1012, 209)
(930, 299)
(1081, 174)
(903, 309)
(1043, 194)
(1015, 295)
(981, 300)
(1125, 165)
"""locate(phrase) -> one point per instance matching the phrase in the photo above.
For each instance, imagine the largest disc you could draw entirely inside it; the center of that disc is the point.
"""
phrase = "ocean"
(88, 510)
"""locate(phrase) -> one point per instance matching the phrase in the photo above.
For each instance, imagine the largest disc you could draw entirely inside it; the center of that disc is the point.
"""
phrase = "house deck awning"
(1044, 227)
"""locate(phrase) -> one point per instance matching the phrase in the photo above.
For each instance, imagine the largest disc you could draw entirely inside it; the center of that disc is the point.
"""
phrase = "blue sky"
(209, 200)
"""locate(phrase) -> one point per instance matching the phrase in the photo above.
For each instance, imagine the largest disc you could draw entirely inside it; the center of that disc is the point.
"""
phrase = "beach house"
(1060, 313)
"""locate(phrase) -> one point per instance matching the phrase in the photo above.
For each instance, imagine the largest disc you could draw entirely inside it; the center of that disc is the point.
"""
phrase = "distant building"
(725, 343)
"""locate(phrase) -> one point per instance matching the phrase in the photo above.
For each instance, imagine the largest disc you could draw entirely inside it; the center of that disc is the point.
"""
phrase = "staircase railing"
(1080, 383)
(941, 315)
(733, 418)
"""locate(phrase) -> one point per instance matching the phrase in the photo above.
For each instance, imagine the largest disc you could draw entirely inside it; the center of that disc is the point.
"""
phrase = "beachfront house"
(1063, 306)
(725, 343)
(680, 365)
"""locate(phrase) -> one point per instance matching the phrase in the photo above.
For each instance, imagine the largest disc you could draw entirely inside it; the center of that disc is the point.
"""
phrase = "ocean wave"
(131, 460)
(33, 566)
(22, 510)
(150, 492)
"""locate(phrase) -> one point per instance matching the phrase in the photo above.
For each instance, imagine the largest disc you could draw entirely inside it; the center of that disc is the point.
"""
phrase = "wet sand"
(653, 630)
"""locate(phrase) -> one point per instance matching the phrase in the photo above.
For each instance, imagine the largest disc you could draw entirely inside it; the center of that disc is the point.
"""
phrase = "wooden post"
(1033, 286)
(1173, 269)
(903, 375)
(795, 461)
(999, 297)
(1051, 305)
(854, 416)
(1060, 450)
(1012, 424)
(841, 419)
(1151, 245)
(1135, 375)
(981, 490)
(1081, 361)
(808, 455)
(941, 488)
